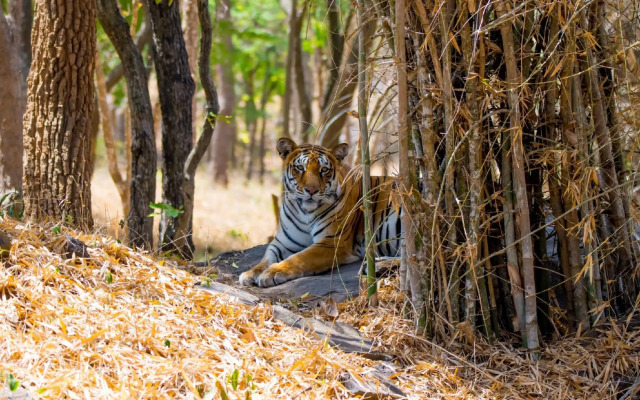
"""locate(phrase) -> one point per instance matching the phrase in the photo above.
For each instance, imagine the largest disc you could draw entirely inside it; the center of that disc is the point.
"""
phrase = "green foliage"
(108, 277)
(12, 382)
(56, 230)
(167, 208)
(14, 207)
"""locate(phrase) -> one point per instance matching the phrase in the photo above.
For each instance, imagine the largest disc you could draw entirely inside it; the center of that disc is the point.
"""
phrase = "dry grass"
(238, 217)
(125, 325)
(122, 325)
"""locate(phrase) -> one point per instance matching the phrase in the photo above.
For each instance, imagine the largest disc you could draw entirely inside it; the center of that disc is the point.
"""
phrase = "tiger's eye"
(300, 168)
(324, 170)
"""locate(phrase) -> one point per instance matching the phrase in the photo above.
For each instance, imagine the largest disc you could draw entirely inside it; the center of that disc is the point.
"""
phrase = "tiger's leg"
(315, 259)
(275, 253)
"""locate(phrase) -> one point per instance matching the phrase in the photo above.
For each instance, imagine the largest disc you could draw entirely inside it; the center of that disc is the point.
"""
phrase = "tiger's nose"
(311, 190)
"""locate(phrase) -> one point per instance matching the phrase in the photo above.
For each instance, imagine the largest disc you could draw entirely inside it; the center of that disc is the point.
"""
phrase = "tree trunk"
(122, 185)
(251, 119)
(190, 30)
(184, 223)
(336, 48)
(12, 106)
(57, 124)
(225, 134)
(176, 88)
(334, 114)
(143, 150)
(306, 122)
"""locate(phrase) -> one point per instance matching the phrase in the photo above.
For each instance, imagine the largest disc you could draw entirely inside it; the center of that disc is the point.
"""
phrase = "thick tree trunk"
(12, 105)
(225, 134)
(143, 150)
(176, 88)
(57, 124)
(184, 224)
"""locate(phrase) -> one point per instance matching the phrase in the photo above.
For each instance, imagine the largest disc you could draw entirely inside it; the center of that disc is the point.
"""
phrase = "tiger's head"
(312, 174)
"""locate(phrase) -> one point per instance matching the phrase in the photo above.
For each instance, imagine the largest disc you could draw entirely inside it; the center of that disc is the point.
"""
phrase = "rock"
(341, 284)
(18, 394)
(337, 334)
(5, 244)
(75, 247)
(370, 385)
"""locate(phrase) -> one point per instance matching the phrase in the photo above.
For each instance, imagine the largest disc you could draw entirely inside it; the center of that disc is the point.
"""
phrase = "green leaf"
(56, 230)
(167, 342)
(234, 379)
(109, 277)
(13, 383)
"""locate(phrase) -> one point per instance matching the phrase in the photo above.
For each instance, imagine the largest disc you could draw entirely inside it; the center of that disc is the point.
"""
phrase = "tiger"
(321, 222)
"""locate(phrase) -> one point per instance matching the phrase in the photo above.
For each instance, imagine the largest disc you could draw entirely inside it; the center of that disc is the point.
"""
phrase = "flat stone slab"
(337, 334)
(341, 284)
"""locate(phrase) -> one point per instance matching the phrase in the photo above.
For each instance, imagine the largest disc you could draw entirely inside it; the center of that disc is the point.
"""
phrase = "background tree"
(15, 44)
(176, 89)
(142, 183)
(57, 123)
(224, 139)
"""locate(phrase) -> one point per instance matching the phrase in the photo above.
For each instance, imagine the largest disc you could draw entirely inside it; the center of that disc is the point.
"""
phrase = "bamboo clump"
(524, 152)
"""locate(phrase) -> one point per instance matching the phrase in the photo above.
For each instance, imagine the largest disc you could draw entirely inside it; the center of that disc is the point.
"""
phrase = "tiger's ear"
(285, 146)
(341, 151)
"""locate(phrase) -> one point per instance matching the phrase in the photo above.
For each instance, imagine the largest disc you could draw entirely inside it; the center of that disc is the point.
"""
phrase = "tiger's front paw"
(277, 274)
(248, 278)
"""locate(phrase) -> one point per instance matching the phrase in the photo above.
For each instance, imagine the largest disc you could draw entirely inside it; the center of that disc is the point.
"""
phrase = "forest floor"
(121, 324)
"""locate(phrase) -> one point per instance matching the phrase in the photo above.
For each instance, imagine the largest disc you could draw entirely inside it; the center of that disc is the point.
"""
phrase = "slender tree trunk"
(176, 88)
(334, 115)
(336, 48)
(190, 29)
(366, 162)
(57, 137)
(294, 34)
(251, 119)
(224, 138)
(122, 185)
(306, 122)
(12, 107)
(142, 150)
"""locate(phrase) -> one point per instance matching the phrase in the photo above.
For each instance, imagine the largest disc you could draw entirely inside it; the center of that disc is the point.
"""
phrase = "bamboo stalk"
(522, 205)
(366, 160)
(444, 18)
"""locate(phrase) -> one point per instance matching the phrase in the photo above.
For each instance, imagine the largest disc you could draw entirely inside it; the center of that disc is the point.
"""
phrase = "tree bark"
(12, 106)
(143, 150)
(176, 88)
(57, 124)
(225, 134)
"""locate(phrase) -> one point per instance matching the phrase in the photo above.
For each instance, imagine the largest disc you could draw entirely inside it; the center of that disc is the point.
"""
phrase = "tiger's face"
(310, 175)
